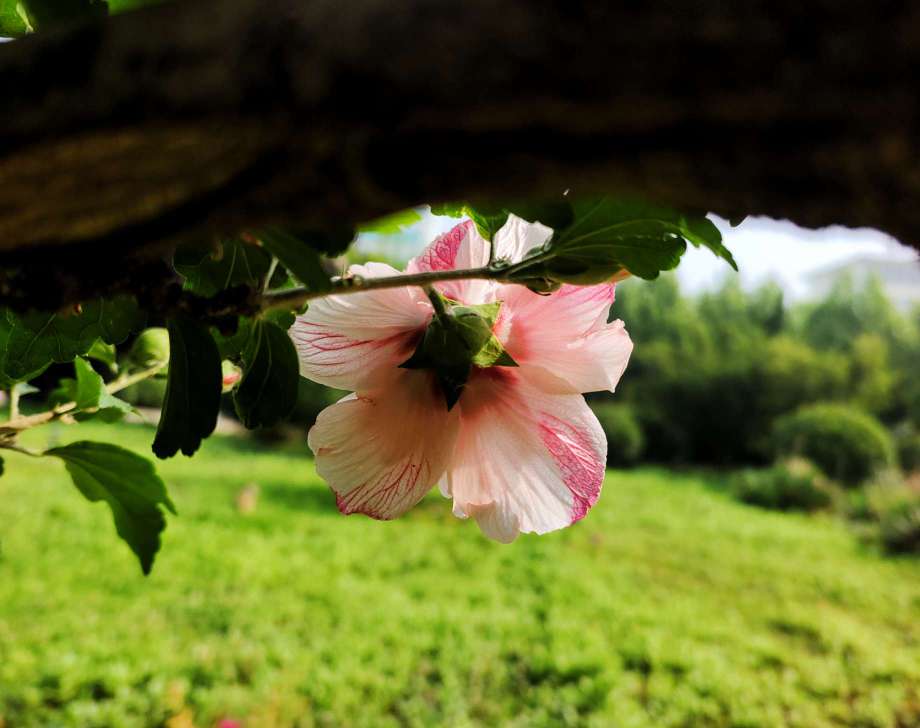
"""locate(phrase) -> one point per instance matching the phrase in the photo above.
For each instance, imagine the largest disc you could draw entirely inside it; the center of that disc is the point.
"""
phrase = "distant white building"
(899, 278)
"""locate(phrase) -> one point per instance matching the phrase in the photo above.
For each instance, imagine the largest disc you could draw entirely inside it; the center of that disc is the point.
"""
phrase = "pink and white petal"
(461, 247)
(382, 451)
(563, 341)
(525, 461)
(517, 237)
(356, 341)
(591, 363)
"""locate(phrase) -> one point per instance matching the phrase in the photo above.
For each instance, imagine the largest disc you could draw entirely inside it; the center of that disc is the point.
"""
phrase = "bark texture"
(207, 117)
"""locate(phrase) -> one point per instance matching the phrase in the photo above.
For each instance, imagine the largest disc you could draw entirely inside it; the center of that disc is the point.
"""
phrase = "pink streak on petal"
(525, 461)
(355, 341)
(442, 253)
(460, 247)
(381, 451)
(575, 454)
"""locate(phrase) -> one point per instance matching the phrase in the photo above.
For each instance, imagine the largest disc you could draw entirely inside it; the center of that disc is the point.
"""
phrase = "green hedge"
(791, 485)
(849, 445)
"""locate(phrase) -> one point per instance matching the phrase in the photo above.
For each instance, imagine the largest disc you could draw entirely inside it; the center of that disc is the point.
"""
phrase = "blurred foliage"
(669, 607)
(709, 376)
(790, 485)
(848, 444)
(892, 503)
(625, 441)
(907, 442)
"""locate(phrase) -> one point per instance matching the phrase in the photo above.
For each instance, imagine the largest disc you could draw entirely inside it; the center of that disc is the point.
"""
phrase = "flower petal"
(525, 461)
(517, 236)
(356, 341)
(461, 247)
(382, 451)
(563, 342)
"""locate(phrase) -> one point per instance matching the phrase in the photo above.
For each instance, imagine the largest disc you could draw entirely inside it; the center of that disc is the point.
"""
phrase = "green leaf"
(44, 14)
(331, 241)
(231, 346)
(2, 466)
(391, 224)
(489, 219)
(208, 272)
(104, 353)
(268, 390)
(30, 342)
(303, 261)
(13, 19)
(608, 236)
(129, 485)
(92, 399)
(193, 389)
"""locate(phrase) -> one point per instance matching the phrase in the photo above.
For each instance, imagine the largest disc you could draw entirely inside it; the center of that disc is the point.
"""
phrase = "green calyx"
(458, 338)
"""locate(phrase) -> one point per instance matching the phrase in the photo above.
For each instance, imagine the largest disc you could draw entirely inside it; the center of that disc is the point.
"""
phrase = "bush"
(907, 442)
(895, 506)
(625, 441)
(848, 444)
(791, 485)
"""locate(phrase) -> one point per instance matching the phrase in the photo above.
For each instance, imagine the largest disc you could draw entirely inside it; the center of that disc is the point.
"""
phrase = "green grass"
(670, 605)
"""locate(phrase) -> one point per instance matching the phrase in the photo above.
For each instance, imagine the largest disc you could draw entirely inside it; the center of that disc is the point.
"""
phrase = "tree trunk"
(206, 117)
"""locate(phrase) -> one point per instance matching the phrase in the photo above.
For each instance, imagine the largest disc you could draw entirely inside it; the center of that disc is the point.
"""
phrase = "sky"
(764, 249)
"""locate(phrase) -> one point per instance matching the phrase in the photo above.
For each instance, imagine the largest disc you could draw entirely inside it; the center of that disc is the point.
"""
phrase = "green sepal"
(458, 338)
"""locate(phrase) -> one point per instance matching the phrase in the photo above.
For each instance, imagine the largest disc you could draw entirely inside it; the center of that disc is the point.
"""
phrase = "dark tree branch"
(206, 117)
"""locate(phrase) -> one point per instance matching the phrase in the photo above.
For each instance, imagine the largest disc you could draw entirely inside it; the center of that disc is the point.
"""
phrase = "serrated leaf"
(267, 392)
(701, 231)
(489, 219)
(32, 341)
(193, 387)
(303, 261)
(129, 485)
(104, 353)
(92, 398)
(207, 272)
(390, 224)
(231, 346)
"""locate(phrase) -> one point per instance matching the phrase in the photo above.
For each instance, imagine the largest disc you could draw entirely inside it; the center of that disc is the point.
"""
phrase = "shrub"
(895, 506)
(907, 442)
(848, 444)
(791, 485)
(625, 441)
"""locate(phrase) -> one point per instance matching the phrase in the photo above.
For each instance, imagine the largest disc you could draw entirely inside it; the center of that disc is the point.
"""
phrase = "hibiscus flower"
(520, 451)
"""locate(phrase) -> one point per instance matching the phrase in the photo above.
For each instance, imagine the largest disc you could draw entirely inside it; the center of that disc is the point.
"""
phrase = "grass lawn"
(670, 605)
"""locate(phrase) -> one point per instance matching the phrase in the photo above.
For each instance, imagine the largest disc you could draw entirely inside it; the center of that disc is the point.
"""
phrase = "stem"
(17, 424)
(296, 297)
(120, 383)
(14, 402)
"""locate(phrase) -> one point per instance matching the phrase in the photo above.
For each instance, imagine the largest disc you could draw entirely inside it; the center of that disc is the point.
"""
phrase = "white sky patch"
(764, 249)
(781, 251)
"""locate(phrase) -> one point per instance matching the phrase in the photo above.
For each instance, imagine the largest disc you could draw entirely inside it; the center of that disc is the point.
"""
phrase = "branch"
(294, 298)
(17, 424)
